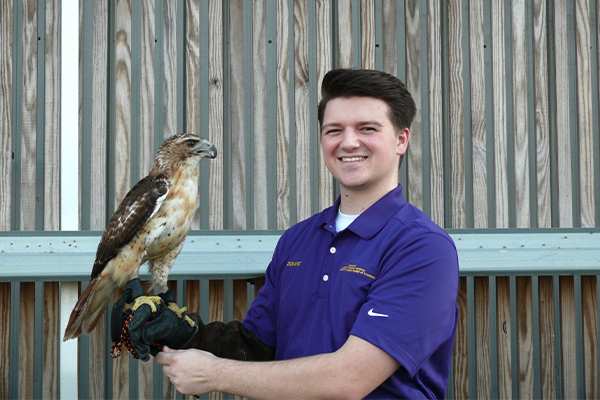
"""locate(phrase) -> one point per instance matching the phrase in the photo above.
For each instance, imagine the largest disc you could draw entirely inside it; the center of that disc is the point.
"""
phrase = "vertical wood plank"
(4, 339)
(389, 37)
(301, 111)
(26, 324)
(283, 124)
(170, 68)
(147, 89)
(482, 329)
(590, 336)
(238, 131)
(456, 95)
(499, 96)
(324, 64)
(461, 370)
(547, 322)
(123, 100)
(478, 123)
(541, 116)
(215, 38)
(344, 11)
(51, 340)
(504, 338)
(240, 301)
(52, 119)
(367, 12)
(563, 134)
(29, 116)
(519, 27)
(6, 116)
(525, 327)
(568, 336)
(413, 83)
(436, 138)
(259, 56)
(584, 114)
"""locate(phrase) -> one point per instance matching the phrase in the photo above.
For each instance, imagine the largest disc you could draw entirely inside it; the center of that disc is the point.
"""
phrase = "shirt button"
(325, 277)
(332, 250)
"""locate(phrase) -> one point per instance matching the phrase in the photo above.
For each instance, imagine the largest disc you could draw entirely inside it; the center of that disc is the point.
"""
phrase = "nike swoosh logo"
(374, 314)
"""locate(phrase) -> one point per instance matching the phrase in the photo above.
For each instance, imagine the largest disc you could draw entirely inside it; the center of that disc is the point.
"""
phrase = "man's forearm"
(352, 372)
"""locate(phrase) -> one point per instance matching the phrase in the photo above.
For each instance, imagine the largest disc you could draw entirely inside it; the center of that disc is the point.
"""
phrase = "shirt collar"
(370, 221)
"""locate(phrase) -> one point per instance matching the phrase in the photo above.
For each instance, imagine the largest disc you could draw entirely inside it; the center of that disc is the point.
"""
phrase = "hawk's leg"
(161, 266)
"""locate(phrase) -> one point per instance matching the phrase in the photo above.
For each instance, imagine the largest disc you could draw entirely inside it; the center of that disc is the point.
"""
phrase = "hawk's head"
(183, 150)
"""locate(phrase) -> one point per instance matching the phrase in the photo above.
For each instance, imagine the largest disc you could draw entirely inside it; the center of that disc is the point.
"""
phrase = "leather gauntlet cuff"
(231, 340)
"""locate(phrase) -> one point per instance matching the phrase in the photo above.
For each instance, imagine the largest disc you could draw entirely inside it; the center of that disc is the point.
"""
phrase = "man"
(360, 299)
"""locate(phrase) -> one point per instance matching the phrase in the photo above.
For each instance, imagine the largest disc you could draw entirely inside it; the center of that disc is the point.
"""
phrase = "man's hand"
(149, 322)
(188, 370)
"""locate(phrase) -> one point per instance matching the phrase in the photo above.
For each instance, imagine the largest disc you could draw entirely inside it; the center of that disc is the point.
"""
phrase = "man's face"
(360, 145)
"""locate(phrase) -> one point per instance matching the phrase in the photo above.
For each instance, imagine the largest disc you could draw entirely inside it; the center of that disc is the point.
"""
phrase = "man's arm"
(353, 371)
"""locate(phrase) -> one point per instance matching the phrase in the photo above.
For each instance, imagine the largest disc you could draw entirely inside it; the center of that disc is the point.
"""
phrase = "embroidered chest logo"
(294, 263)
(356, 270)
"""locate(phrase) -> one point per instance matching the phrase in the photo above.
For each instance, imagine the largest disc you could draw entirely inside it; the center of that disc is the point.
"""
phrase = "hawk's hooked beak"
(210, 152)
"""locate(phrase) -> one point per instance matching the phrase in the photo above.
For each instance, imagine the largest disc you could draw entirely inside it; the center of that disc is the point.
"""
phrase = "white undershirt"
(342, 221)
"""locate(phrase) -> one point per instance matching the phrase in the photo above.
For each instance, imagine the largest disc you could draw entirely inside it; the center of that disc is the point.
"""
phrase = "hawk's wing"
(138, 206)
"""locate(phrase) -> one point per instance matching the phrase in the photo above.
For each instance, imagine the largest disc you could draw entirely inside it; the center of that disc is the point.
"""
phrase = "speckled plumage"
(150, 225)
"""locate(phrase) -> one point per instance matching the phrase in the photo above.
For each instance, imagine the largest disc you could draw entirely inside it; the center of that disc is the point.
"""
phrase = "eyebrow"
(369, 122)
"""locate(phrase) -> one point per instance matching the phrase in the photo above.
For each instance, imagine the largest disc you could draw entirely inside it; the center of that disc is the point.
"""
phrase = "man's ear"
(402, 141)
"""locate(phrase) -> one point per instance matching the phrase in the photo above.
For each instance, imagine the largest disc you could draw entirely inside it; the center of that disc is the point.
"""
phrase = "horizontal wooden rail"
(68, 256)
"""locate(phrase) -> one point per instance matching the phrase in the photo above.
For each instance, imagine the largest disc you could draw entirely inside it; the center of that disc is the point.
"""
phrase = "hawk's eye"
(190, 143)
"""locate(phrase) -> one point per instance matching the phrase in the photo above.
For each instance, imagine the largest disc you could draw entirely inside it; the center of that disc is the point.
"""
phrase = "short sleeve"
(411, 307)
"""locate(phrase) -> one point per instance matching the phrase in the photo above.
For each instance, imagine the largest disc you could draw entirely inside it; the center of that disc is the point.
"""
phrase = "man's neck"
(353, 202)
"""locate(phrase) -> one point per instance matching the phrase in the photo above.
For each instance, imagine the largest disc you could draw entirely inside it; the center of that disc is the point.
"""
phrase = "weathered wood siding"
(506, 136)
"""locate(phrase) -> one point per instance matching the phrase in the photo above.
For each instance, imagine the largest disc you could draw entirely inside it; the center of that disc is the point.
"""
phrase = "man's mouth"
(352, 159)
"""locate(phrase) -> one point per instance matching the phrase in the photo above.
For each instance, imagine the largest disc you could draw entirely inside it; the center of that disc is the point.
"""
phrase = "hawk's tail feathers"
(89, 308)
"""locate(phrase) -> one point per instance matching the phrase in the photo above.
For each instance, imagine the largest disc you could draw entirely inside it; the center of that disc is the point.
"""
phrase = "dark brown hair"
(369, 83)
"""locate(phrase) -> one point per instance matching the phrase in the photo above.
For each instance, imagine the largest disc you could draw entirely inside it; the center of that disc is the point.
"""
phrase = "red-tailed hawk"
(149, 225)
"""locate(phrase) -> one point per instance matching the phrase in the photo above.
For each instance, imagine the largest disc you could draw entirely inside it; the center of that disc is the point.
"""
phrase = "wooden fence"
(506, 135)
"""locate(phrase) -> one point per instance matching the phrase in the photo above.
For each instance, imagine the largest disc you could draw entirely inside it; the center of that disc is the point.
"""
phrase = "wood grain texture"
(324, 64)
(99, 121)
(478, 122)
(461, 364)
(26, 329)
(499, 97)
(29, 116)
(148, 47)
(169, 48)
(568, 337)
(584, 114)
(123, 101)
(6, 115)
(521, 117)
(541, 116)
(590, 336)
(548, 358)
(301, 111)
(344, 14)
(52, 118)
(237, 108)
(525, 329)
(4, 339)
(436, 136)
(388, 44)
(414, 154)
(482, 334)
(367, 30)
(51, 339)
(563, 112)
(283, 122)
(215, 122)
(504, 338)
(457, 133)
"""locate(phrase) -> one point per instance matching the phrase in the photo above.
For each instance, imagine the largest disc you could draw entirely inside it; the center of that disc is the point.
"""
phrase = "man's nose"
(349, 139)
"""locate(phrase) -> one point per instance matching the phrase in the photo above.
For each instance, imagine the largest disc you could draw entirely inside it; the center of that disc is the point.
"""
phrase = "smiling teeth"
(350, 159)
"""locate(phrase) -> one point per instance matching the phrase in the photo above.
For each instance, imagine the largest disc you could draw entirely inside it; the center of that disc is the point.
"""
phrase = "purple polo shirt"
(390, 278)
